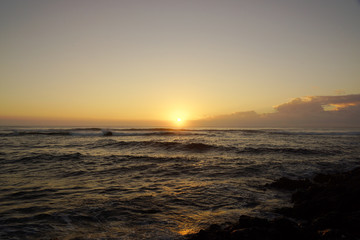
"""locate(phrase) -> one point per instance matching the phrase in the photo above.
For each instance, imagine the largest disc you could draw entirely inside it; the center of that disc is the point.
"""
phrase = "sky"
(206, 62)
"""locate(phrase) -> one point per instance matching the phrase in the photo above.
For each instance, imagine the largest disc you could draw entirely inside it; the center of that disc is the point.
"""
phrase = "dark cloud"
(299, 106)
(314, 104)
(311, 111)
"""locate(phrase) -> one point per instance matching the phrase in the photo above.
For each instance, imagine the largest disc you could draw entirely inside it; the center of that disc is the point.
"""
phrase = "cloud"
(299, 106)
(319, 111)
(310, 111)
(316, 104)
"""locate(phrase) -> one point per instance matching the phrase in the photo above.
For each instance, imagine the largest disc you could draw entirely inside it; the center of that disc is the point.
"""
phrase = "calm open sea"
(63, 183)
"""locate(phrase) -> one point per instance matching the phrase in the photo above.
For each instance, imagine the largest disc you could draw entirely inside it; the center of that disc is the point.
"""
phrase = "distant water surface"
(76, 183)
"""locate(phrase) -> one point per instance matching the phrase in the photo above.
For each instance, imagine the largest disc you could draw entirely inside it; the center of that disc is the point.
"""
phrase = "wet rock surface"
(326, 207)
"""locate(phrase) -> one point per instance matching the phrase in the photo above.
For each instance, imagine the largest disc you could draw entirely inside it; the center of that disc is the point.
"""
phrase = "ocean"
(153, 183)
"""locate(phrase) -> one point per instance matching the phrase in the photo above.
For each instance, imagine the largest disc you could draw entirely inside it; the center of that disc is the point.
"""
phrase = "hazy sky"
(164, 59)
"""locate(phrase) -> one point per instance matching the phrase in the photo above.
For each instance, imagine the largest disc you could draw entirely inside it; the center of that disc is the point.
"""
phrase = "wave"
(315, 133)
(203, 147)
(147, 158)
(274, 131)
(84, 129)
(49, 157)
(91, 132)
(49, 133)
(128, 132)
(280, 131)
(25, 195)
(162, 145)
(299, 151)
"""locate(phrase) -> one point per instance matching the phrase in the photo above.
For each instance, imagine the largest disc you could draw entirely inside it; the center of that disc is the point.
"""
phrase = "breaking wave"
(162, 145)
(202, 147)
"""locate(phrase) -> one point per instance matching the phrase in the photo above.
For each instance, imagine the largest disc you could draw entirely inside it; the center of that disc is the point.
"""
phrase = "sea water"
(154, 183)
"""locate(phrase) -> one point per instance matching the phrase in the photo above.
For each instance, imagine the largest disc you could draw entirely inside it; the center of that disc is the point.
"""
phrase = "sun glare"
(179, 122)
(178, 118)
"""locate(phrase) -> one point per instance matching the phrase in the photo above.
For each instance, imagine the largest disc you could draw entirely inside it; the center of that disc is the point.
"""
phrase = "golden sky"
(164, 59)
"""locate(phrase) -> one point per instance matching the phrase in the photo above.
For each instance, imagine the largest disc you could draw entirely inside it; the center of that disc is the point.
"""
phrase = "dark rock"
(250, 234)
(252, 228)
(107, 133)
(289, 184)
(247, 222)
(340, 193)
(352, 222)
(335, 234)
(214, 232)
(329, 220)
(328, 207)
(322, 178)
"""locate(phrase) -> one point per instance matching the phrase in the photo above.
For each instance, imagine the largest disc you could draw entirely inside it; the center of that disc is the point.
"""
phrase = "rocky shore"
(326, 207)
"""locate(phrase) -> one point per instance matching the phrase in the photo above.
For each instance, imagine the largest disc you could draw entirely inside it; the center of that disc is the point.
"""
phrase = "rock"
(247, 222)
(107, 133)
(252, 228)
(340, 193)
(290, 184)
(328, 207)
(214, 232)
(250, 234)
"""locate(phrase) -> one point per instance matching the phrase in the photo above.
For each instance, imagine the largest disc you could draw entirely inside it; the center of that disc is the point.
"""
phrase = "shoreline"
(325, 207)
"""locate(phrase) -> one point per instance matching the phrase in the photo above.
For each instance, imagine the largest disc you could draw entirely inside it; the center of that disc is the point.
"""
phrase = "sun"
(178, 118)
(179, 122)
